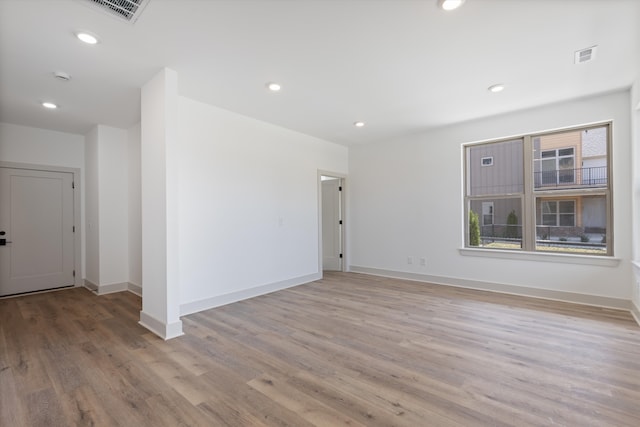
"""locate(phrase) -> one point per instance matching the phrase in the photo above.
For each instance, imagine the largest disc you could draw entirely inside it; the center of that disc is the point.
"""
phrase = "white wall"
(92, 206)
(635, 194)
(135, 219)
(248, 202)
(406, 200)
(23, 144)
(114, 205)
(107, 205)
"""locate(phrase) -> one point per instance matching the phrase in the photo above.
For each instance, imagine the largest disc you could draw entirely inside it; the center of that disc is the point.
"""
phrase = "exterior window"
(487, 213)
(555, 167)
(558, 213)
(548, 192)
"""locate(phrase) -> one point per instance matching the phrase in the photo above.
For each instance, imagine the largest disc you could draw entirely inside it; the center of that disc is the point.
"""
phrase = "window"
(487, 213)
(547, 192)
(555, 166)
(558, 213)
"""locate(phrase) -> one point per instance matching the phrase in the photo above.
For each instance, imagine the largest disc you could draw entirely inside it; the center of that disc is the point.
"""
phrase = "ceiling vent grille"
(126, 10)
(585, 55)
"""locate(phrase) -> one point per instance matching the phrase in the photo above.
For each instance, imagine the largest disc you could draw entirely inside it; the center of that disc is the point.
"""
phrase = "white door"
(36, 230)
(331, 224)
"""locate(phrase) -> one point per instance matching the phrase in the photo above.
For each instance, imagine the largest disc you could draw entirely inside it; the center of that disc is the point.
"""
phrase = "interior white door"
(331, 225)
(36, 216)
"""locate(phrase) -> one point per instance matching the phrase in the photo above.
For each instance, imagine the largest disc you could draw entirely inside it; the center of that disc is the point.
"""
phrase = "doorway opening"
(332, 248)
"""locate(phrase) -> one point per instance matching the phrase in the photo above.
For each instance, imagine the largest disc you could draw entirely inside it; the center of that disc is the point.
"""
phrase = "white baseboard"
(635, 312)
(595, 300)
(113, 287)
(135, 289)
(220, 300)
(164, 330)
(90, 285)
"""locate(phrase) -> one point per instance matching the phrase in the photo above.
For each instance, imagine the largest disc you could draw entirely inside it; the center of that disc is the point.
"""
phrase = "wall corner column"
(159, 206)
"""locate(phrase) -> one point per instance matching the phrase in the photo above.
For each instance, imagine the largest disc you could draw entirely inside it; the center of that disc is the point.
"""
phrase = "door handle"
(3, 242)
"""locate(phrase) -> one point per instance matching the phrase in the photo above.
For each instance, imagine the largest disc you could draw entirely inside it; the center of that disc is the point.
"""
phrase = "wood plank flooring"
(351, 349)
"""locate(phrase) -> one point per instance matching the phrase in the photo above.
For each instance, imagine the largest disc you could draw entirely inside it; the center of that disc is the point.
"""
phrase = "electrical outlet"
(409, 260)
(423, 262)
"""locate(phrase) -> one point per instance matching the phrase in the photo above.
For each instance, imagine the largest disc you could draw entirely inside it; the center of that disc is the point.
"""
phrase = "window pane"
(565, 163)
(577, 226)
(572, 159)
(567, 220)
(505, 176)
(548, 219)
(549, 207)
(567, 206)
(505, 230)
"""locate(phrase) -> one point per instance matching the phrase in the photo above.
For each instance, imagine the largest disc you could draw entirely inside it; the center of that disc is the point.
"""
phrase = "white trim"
(220, 300)
(571, 297)
(160, 328)
(90, 285)
(77, 208)
(635, 312)
(135, 289)
(113, 287)
(603, 261)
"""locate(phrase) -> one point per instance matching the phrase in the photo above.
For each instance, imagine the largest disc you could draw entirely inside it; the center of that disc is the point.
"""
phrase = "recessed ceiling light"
(496, 88)
(274, 87)
(450, 4)
(49, 105)
(358, 124)
(86, 37)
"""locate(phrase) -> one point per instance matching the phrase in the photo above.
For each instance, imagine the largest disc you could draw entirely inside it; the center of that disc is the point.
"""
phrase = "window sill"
(603, 261)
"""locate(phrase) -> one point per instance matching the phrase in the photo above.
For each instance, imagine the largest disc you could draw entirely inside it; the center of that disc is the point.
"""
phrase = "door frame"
(343, 214)
(78, 219)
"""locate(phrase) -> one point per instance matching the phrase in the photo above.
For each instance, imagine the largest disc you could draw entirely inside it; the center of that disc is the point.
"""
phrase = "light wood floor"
(348, 350)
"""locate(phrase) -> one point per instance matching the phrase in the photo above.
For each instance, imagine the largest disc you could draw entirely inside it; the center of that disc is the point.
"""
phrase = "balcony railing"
(571, 178)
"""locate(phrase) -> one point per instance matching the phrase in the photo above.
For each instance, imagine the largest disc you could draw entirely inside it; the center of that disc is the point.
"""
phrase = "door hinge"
(74, 228)
(340, 188)
(340, 222)
(340, 255)
(73, 184)
(74, 273)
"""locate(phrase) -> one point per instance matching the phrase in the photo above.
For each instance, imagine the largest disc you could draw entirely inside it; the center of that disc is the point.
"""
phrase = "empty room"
(320, 213)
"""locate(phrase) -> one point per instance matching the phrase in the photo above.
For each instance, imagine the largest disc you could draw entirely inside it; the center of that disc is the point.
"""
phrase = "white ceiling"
(401, 66)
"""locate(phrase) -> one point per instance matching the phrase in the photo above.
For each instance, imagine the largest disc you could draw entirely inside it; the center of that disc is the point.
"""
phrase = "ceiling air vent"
(585, 55)
(126, 10)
